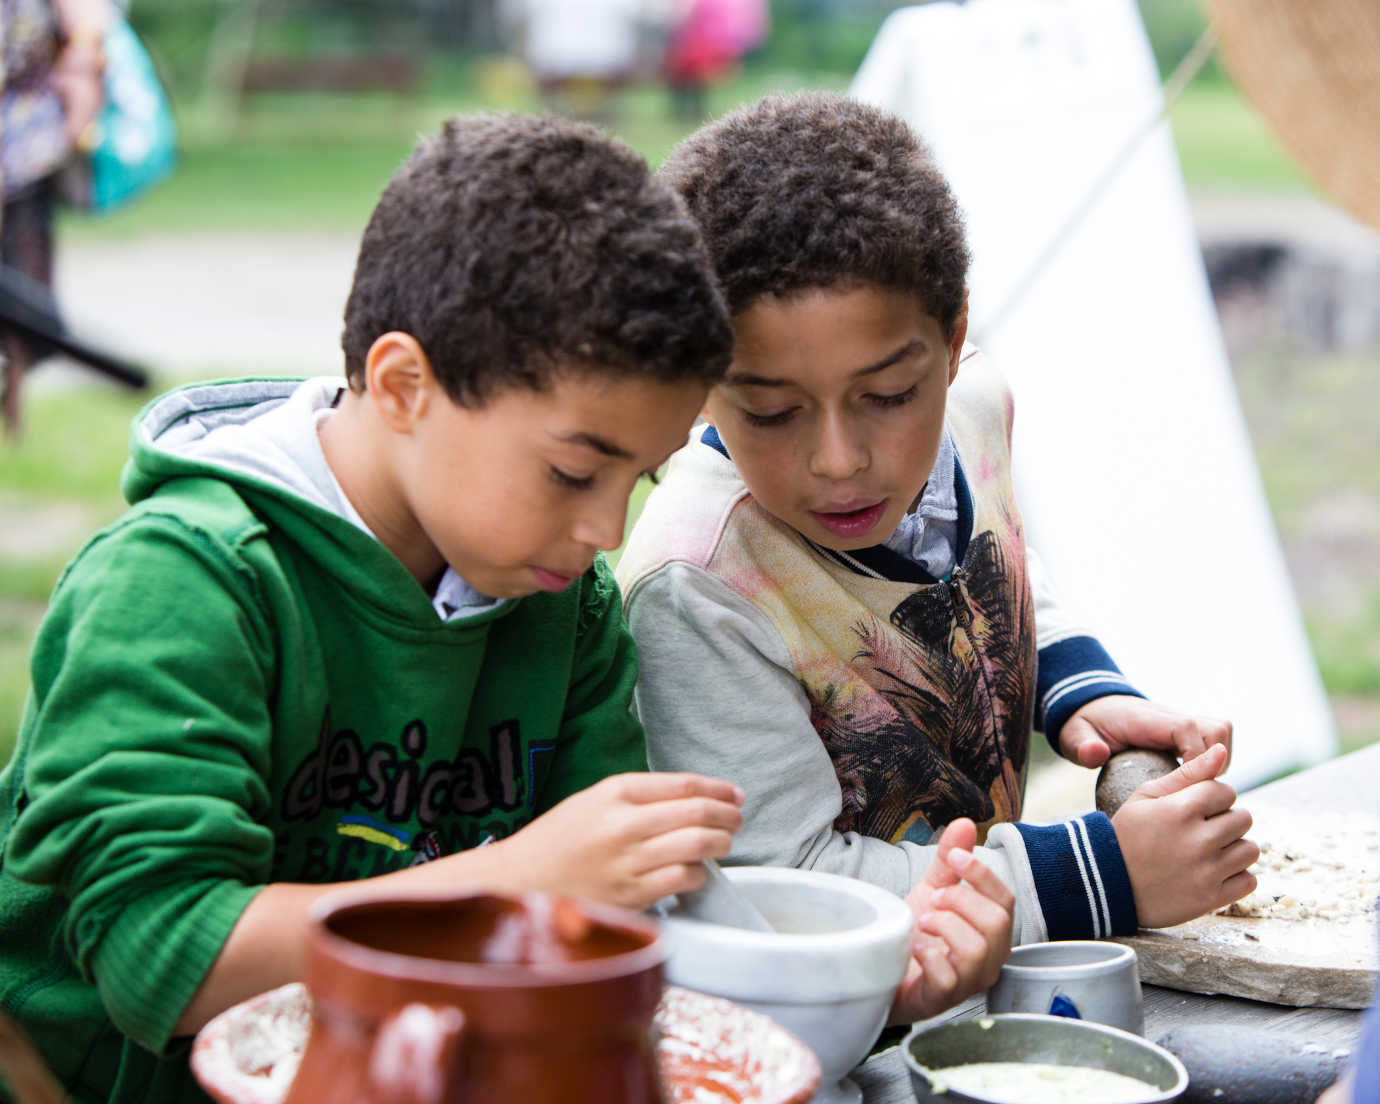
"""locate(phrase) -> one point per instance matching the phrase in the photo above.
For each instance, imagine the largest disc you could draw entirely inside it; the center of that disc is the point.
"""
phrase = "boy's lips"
(850, 522)
(552, 580)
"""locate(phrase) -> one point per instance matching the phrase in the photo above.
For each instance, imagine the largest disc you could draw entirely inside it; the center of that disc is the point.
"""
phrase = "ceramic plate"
(710, 1050)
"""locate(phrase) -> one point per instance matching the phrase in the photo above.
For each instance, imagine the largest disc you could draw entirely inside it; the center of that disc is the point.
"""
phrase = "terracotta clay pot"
(480, 997)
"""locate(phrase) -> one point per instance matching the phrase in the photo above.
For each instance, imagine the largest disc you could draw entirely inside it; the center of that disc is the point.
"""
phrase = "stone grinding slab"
(1313, 943)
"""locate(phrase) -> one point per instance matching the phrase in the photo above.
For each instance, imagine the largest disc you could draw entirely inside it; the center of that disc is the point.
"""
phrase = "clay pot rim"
(1103, 958)
(329, 946)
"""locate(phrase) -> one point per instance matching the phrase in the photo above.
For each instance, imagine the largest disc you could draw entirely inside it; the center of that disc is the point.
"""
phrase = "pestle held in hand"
(1125, 770)
(719, 901)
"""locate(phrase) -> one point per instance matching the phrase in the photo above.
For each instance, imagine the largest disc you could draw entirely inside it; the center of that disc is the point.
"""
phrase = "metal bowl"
(1030, 1037)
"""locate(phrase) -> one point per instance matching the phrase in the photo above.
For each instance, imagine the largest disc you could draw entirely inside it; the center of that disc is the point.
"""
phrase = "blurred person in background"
(580, 52)
(705, 47)
(53, 65)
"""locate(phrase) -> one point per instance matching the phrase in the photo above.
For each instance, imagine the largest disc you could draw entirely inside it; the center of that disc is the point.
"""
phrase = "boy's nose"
(838, 452)
(602, 526)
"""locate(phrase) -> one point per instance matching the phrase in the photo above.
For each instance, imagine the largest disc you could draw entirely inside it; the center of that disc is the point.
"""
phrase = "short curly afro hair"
(514, 247)
(815, 190)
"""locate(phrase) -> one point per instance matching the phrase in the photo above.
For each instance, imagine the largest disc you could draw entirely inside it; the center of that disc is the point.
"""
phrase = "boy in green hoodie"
(355, 628)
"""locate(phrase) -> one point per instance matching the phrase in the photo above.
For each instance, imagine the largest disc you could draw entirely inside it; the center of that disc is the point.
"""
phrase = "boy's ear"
(956, 342)
(399, 378)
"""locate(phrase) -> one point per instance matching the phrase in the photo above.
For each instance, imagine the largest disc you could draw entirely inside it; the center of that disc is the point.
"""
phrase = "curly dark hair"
(817, 190)
(512, 247)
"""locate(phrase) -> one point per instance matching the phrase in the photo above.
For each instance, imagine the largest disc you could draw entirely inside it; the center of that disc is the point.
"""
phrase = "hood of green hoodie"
(249, 433)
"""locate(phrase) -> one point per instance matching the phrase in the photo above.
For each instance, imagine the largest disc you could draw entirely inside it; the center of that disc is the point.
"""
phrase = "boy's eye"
(781, 417)
(574, 482)
(898, 399)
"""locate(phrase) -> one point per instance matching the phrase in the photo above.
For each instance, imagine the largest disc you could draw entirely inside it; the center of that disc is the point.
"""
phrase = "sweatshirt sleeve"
(145, 758)
(600, 734)
(1072, 666)
(716, 695)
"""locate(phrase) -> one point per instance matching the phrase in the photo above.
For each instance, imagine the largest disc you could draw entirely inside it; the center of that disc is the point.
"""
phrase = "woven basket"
(1312, 69)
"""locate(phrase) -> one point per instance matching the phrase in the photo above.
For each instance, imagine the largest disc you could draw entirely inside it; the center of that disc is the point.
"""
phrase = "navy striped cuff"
(1069, 674)
(1080, 877)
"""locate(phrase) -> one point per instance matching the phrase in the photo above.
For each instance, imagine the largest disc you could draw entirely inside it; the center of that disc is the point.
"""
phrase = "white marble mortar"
(827, 973)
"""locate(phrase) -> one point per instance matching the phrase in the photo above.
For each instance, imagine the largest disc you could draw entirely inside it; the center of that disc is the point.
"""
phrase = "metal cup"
(1080, 979)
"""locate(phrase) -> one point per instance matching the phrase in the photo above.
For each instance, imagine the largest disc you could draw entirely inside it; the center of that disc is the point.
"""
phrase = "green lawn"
(1224, 145)
(317, 163)
(56, 486)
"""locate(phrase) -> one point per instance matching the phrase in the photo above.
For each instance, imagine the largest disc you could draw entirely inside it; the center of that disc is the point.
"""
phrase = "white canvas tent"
(1133, 463)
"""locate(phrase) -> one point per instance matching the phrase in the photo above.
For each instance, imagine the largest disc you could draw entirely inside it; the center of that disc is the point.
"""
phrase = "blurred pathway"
(202, 306)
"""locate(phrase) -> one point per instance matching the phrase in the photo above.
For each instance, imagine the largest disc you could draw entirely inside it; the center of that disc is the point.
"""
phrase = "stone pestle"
(719, 901)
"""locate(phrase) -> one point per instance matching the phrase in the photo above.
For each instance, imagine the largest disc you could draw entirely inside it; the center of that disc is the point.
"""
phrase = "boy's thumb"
(1202, 767)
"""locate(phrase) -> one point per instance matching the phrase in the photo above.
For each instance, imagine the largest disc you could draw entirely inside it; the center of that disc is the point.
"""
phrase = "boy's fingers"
(646, 787)
(937, 971)
(1194, 735)
(658, 818)
(938, 874)
(1228, 827)
(960, 834)
(1200, 768)
(667, 881)
(1208, 800)
(684, 845)
(1234, 888)
(986, 881)
(964, 942)
(966, 900)
(973, 908)
(1081, 744)
(1238, 856)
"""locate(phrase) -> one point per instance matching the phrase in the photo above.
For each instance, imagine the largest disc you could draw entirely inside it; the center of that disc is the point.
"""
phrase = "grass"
(72, 445)
(1309, 429)
(57, 485)
(1224, 145)
(316, 163)
(17, 625)
(1348, 648)
(1312, 424)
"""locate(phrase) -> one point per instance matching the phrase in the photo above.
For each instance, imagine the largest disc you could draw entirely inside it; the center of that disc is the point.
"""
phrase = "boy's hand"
(1120, 721)
(630, 839)
(1183, 843)
(962, 930)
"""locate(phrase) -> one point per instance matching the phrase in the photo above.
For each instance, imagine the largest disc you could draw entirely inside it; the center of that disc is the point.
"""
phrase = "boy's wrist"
(1081, 878)
(1069, 674)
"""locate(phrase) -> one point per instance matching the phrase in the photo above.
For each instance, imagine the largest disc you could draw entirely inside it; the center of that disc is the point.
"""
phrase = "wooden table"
(1348, 783)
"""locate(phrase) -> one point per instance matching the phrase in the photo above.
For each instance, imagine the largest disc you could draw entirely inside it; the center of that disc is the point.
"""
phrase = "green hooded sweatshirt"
(237, 685)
